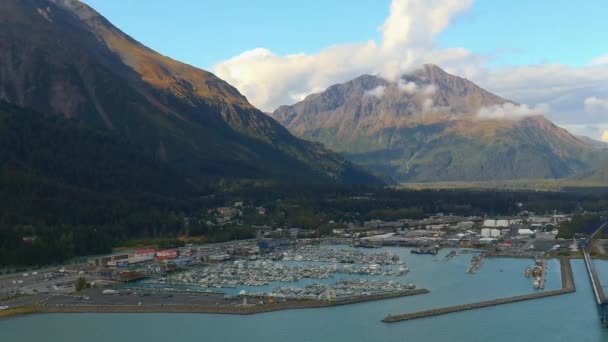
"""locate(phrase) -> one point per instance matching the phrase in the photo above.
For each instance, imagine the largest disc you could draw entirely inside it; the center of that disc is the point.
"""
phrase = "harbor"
(567, 287)
(361, 321)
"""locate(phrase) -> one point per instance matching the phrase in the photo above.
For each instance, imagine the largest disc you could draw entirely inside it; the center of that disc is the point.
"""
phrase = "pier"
(567, 287)
(598, 290)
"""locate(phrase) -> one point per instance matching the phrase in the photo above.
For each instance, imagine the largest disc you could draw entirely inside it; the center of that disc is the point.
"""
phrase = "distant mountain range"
(592, 142)
(66, 71)
(433, 126)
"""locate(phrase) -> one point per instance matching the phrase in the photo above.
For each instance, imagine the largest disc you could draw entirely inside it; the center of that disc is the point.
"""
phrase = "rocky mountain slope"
(62, 58)
(433, 126)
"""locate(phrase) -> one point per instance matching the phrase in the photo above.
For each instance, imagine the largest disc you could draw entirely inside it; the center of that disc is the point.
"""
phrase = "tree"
(80, 284)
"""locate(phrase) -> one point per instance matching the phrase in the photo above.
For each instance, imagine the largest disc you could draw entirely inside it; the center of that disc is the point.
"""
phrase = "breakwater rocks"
(567, 287)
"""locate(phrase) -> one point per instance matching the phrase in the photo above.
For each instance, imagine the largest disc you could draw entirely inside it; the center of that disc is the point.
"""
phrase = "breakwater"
(567, 287)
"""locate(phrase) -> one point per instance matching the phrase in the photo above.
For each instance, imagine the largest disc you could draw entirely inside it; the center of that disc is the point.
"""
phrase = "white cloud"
(407, 41)
(511, 111)
(564, 88)
(376, 92)
(429, 90)
(427, 105)
(409, 88)
(600, 60)
(595, 105)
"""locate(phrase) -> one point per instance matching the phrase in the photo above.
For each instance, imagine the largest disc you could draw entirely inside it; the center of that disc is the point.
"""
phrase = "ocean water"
(570, 317)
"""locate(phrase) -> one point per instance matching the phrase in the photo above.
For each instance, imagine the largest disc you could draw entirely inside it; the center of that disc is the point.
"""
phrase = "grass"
(23, 310)
(524, 184)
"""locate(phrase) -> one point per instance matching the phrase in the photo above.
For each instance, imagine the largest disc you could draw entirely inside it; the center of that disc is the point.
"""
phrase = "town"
(288, 263)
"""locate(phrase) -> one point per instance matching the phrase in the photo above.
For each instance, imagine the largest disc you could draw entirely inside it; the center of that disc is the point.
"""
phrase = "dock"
(596, 285)
(567, 287)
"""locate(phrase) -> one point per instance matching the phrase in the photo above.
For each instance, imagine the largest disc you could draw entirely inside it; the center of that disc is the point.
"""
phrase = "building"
(487, 240)
(502, 223)
(293, 232)
(219, 257)
(147, 252)
(465, 225)
(166, 254)
(435, 226)
(526, 232)
(489, 223)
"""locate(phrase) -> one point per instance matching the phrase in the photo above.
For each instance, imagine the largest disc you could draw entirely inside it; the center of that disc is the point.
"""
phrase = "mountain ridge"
(431, 126)
(64, 58)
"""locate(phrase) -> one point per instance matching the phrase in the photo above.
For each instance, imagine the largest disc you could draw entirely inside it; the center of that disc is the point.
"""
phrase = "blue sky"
(206, 32)
(537, 53)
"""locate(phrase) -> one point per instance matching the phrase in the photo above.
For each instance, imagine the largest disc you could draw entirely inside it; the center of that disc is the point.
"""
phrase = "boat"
(403, 270)
(425, 250)
(450, 255)
(528, 272)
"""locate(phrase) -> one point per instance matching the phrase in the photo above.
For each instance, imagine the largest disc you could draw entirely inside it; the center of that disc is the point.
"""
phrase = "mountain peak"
(434, 67)
(425, 128)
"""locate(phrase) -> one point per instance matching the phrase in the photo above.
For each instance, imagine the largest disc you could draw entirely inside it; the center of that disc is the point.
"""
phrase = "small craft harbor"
(288, 277)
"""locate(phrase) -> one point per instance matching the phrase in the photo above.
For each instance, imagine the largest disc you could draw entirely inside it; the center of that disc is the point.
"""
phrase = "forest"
(42, 223)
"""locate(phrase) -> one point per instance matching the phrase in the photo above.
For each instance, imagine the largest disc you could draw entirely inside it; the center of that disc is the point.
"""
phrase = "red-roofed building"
(146, 252)
(166, 254)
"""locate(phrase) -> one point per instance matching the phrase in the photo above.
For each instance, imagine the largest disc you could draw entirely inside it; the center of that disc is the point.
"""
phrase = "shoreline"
(42, 306)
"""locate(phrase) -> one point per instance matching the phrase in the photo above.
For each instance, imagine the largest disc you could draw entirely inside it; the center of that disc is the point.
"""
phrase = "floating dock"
(567, 287)
(476, 263)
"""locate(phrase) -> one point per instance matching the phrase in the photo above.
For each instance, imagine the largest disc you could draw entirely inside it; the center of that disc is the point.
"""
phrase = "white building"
(465, 224)
(525, 232)
(502, 223)
(489, 223)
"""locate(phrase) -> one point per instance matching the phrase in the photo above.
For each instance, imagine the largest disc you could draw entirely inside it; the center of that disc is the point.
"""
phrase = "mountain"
(592, 142)
(61, 58)
(433, 126)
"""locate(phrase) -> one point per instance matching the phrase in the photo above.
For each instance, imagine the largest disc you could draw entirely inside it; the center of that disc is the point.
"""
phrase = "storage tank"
(502, 223)
(489, 223)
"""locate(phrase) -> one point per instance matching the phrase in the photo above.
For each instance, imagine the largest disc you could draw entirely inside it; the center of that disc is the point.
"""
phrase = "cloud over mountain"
(407, 40)
(511, 111)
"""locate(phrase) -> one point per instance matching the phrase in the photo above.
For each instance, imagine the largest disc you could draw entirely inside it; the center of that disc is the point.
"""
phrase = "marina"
(344, 288)
(448, 284)
(335, 255)
(262, 273)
